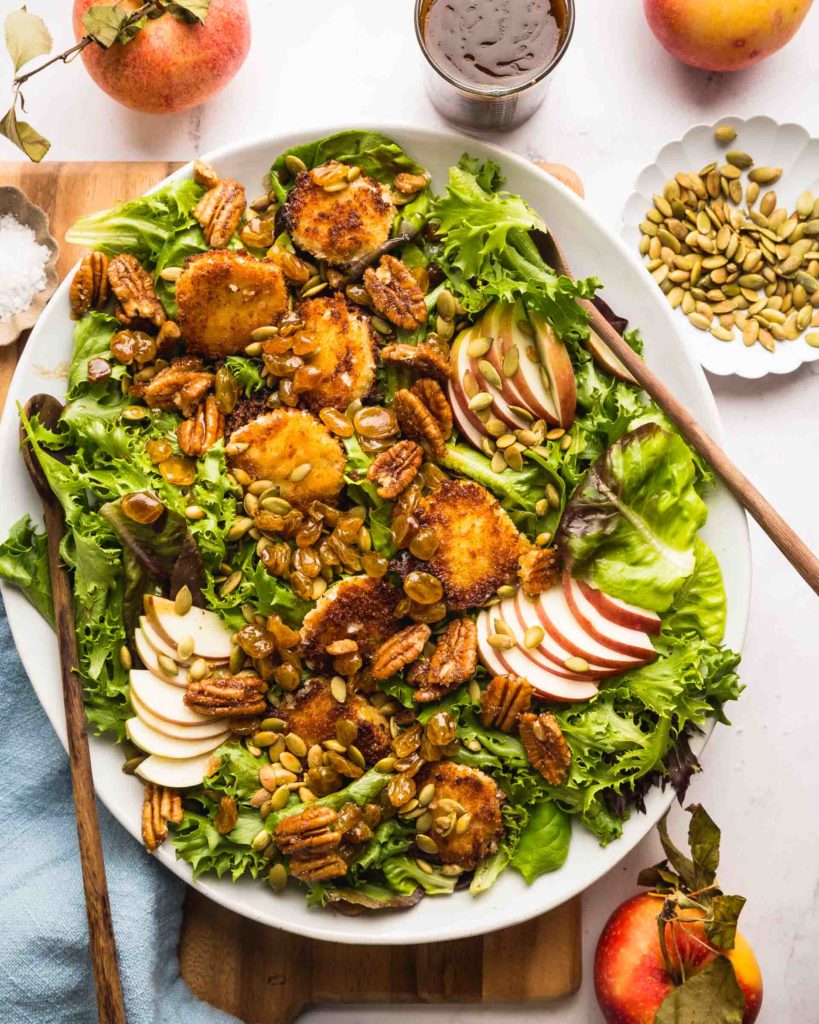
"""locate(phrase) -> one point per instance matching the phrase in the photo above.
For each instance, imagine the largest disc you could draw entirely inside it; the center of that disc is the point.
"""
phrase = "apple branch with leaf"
(28, 38)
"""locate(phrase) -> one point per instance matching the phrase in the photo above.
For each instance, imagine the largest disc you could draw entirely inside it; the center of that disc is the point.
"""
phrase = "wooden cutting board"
(260, 974)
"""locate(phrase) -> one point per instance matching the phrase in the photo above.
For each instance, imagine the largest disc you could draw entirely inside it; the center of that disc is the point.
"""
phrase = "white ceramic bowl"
(592, 249)
(788, 146)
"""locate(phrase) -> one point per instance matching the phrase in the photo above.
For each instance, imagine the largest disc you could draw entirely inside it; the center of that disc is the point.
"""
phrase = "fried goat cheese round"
(478, 544)
(222, 297)
(479, 796)
(345, 358)
(356, 608)
(287, 440)
(338, 226)
(312, 712)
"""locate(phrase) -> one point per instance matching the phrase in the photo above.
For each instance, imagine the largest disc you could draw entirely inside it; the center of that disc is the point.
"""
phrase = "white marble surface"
(617, 98)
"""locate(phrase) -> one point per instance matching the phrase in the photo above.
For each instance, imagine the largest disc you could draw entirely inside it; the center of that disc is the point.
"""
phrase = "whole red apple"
(170, 65)
(724, 35)
(630, 975)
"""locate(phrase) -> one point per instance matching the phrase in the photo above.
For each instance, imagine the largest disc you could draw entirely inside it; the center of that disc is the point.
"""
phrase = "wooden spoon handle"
(110, 1005)
(795, 550)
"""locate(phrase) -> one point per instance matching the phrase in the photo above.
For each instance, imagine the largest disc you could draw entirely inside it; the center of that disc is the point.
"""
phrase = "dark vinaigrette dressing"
(493, 42)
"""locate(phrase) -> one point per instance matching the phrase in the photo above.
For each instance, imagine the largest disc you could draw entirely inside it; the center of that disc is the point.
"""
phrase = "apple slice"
(176, 773)
(468, 422)
(554, 615)
(153, 742)
(148, 657)
(499, 408)
(182, 732)
(166, 700)
(211, 637)
(558, 366)
(547, 685)
(159, 643)
(603, 355)
(619, 638)
(628, 615)
(526, 382)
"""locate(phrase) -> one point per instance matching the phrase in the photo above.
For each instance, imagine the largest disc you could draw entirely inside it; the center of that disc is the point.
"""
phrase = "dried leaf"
(705, 998)
(197, 9)
(34, 145)
(703, 838)
(107, 25)
(676, 858)
(721, 922)
(26, 37)
(658, 878)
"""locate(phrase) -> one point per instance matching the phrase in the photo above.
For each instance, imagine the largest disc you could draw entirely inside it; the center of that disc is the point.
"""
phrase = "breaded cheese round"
(356, 608)
(285, 440)
(312, 712)
(346, 351)
(222, 296)
(478, 544)
(479, 796)
(339, 226)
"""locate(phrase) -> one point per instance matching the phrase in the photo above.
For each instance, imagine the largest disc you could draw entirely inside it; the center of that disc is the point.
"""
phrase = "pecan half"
(418, 423)
(453, 662)
(395, 294)
(314, 869)
(167, 338)
(160, 805)
(226, 816)
(134, 291)
(182, 385)
(538, 570)
(431, 394)
(546, 746)
(219, 212)
(239, 697)
(204, 174)
(424, 358)
(399, 651)
(197, 435)
(311, 833)
(394, 470)
(503, 700)
(409, 184)
(89, 288)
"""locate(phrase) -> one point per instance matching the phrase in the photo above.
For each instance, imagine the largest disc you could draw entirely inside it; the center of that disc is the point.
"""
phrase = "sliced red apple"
(148, 657)
(178, 773)
(153, 742)
(547, 685)
(190, 732)
(527, 382)
(554, 615)
(631, 642)
(468, 422)
(467, 364)
(211, 637)
(159, 642)
(628, 615)
(603, 355)
(167, 701)
(558, 366)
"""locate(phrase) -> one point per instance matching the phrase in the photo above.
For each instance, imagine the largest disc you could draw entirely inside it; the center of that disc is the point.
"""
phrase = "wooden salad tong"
(110, 1005)
(792, 547)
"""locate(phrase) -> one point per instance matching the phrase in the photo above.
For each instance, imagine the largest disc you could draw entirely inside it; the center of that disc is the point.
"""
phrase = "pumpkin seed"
(552, 495)
(478, 347)
(765, 175)
(511, 362)
(480, 401)
(501, 643)
(173, 274)
(739, 159)
(812, 338)
(723, 333)
(168, 665)
(701, 322)
(446, 304)
(125, 658)
(489, 373)
(183, 602)
(576, 664)
(184, 649)
(724, 133)
(301, 472)
(338, 688)
(277, 877)
(463, 823)
(533, 637)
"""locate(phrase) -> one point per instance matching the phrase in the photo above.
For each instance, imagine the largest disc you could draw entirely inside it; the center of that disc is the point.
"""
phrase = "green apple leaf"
(24, 137)
(703, 838)
(711, 997)
(196, 9)
(721, 921)
(26, 37)
(110, 25)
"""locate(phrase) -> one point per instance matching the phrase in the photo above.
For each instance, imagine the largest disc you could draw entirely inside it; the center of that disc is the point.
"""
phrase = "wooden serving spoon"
(792, 547)
(110, 1006)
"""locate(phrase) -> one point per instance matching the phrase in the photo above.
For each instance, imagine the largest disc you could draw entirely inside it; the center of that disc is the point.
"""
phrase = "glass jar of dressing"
(489, 61)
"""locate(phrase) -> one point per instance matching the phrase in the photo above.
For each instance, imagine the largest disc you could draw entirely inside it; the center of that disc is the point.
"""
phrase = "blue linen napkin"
(45, 971)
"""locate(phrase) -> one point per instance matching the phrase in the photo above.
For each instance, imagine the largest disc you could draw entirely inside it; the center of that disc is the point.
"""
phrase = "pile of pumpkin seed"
(730, 264)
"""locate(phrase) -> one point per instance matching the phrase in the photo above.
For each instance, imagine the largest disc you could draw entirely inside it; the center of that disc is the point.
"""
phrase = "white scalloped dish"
(788, 146)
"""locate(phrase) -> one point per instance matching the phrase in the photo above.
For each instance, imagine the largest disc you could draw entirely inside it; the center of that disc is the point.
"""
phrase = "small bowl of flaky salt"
(28, 263)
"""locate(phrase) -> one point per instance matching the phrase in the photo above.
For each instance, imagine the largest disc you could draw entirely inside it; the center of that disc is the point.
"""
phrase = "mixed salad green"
(629, 504)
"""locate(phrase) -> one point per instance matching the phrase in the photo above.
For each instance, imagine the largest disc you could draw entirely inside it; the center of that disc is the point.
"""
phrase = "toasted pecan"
(403, 648)
(395, 294)
(432, 395)
(237, 697)
(197, 435)
(505, 698)
(394, 470)
(424, 358)
(182, 386)
(134, 291)
(312, 832)
(538, 570)
(453, 662)
(226, 816)
(418, 423)
(219, 212)
(546, 746)
(161, 804)
(89, 287)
